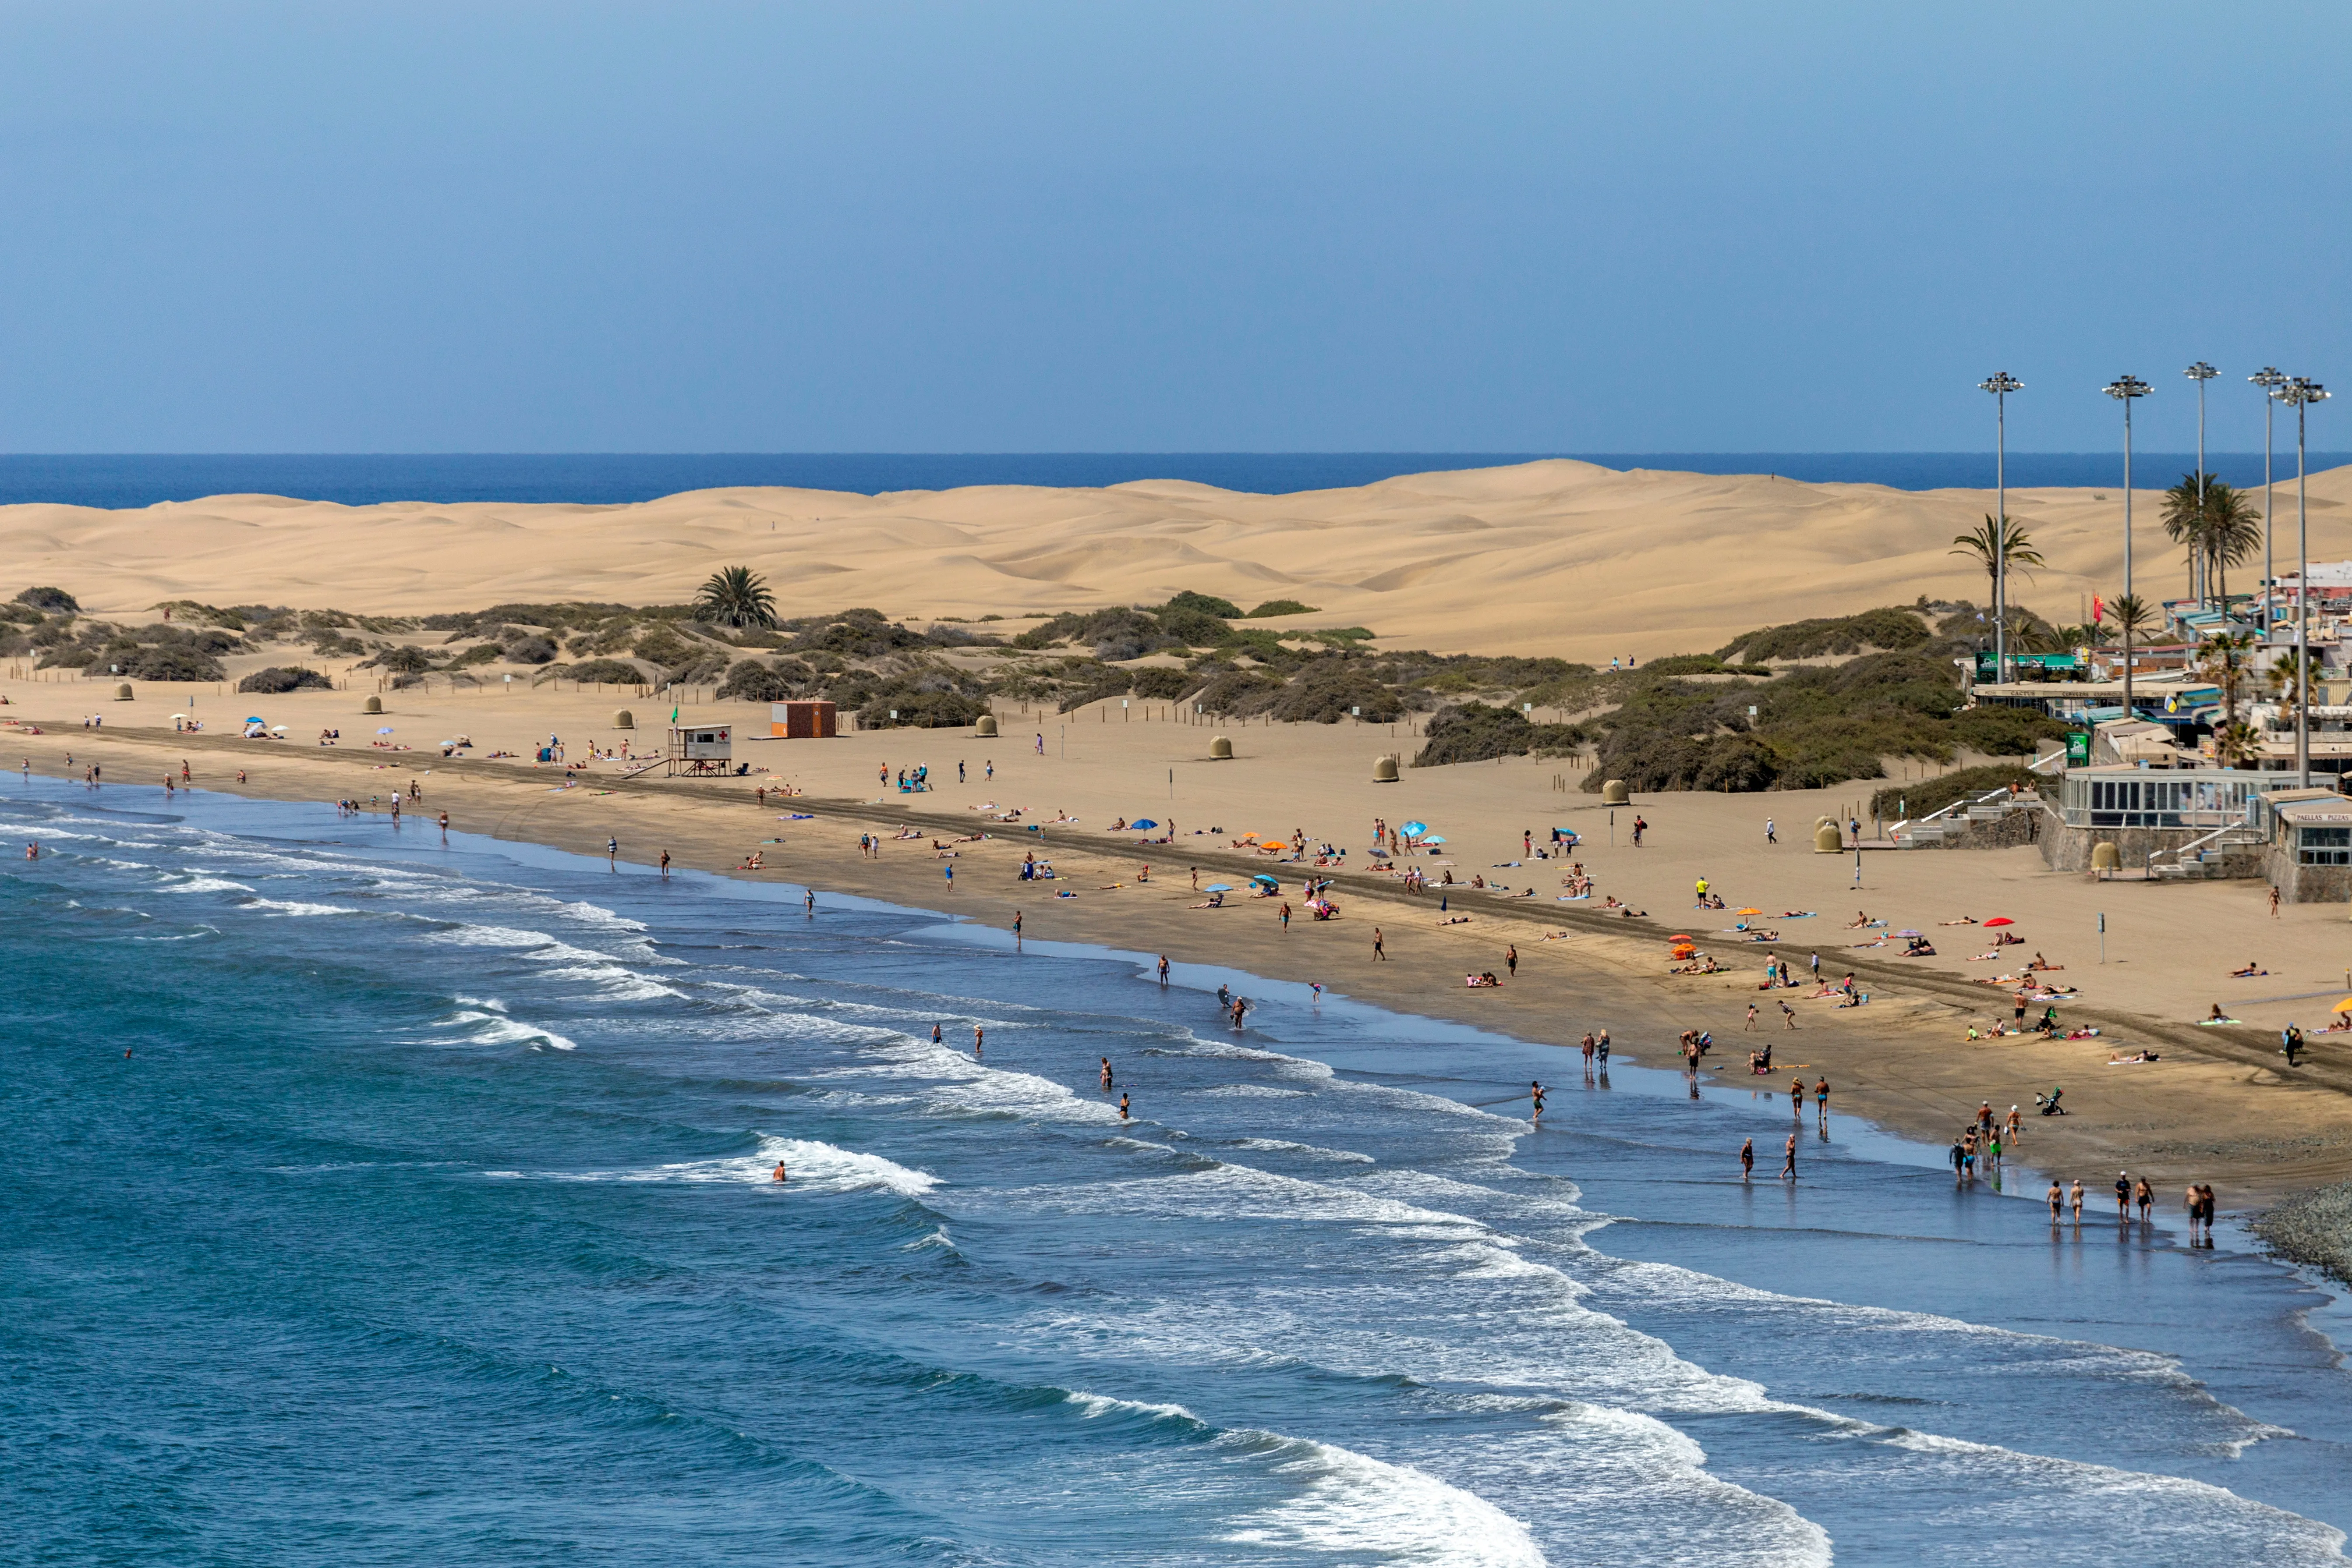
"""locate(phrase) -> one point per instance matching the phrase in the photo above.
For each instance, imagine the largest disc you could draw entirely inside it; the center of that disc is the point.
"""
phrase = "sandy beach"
(2217, 1106)
(1556, 558)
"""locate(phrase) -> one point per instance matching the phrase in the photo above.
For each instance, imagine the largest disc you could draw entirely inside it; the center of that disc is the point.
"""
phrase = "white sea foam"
(1256, 1091)
(810, 1167)
(495, 1029)
(195, 884)
(617, 983)
(1353, 1504)
(291, 907)
(1284, 1146)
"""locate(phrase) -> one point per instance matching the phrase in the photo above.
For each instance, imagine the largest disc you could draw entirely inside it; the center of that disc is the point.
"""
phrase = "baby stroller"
(2048, 1102)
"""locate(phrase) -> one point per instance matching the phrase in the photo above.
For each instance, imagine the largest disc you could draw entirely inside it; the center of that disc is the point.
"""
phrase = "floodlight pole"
(2001, 384)
(2302, 391)
(2123, 389)
(2200, 373)
(2270, 378)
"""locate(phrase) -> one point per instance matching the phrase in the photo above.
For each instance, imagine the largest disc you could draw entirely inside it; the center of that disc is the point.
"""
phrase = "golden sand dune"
(1556, 557)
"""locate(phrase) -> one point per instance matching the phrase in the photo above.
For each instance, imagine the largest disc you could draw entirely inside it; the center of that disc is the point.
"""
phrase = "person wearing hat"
(2122, 1196)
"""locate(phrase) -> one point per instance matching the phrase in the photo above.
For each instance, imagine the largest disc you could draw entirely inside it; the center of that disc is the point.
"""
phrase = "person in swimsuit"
(1106, 1075)
(779, 1169)
(1536, 1093)
(2145, 1196)
(1747, 1160)
(2075, 1199)
(937, 1038)
(2057, 1198)
(2123, 1196)
(1789, 1158)
(1511, 961)
(1600, 1048)
(978, 1034)
(1122, 1108)
(1822, 1101)
(1163, 967)
(1796, 1100)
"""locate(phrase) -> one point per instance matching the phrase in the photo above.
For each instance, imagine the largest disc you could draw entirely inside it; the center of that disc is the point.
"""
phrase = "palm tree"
(1985, 544)
(737, 597)
(2184, 522)
(2231, 531)
(2133, 615)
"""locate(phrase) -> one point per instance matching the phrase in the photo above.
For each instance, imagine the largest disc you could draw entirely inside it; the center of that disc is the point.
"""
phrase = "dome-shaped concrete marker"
(1221, 749)
(2106, 857)
(623, 720)
(373, 705)
(986, 728)
(1614, 793)
(1827, 839)
(122, 692)
(1385, 771)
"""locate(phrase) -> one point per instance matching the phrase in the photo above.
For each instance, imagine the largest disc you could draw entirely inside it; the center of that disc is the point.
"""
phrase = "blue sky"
(1012, 226)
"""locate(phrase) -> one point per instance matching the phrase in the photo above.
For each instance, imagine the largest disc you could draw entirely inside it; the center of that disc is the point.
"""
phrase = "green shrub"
(50, 601)
(1474, 732)
(1892, 629)
(1280, 607)
(1206, 603)
(277, 679)
(2006, 731)
(608, 672)
(173, 662)
(1161, 684)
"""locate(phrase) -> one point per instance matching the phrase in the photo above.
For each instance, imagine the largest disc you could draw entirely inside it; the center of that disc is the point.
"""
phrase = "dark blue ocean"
(374, 1201)
(612, 477)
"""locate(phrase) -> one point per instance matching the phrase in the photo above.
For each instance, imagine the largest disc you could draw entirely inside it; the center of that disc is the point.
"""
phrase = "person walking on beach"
(1536, 1093)
(2123, 1197)
(445, 827)
(1958, 1158)
(1797, 1098)
(1016, 930)
(1746, 1160)
(612, 849)
(1511, 960)
(1770, 837)
(1163, 971)
(1380, 949)
(1789, 1158)
(951, 875)
(1788, 1015)
(2145, 1196)
(808, 902)
(2056, 1199)
(1822, 1101)
(1285, 915)
(2274, 903)
(1751, 1019)
(1600, 1047)
(665, 855)
(1640, 828)
(2074, 1200)
(2192, 1203)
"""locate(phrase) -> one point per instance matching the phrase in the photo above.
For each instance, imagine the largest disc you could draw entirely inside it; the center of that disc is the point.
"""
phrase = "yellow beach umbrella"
(1751, 912)
(2343, 1007)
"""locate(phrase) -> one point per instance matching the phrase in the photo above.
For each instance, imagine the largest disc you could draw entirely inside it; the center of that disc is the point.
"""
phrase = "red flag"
(2098, 609)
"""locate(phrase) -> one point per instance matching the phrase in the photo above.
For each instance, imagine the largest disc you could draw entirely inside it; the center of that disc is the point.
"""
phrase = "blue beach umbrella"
(1264, 881)
(1218, 888)
(1413, 830)
(1143, 822)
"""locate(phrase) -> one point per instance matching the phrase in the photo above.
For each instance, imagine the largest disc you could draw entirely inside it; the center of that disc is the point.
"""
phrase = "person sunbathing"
(1860, 919)
(1920, 947)
(755, 861)
(2044, 963)
(1213, 901)
(2248, 972)
(2140, 1056)
(1487, 978)
(1455, 920)
(2219, 1017)
(2007, 940)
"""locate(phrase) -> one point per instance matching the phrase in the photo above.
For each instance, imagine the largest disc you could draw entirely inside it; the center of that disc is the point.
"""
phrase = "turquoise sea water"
(429, 1220)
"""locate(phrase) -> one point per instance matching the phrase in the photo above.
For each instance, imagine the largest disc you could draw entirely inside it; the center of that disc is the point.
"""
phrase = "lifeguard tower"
(700, 749)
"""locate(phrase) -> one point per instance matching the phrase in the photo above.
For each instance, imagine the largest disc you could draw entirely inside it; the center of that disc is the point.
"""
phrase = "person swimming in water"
(1106, 1075)
(779, 1168)
(978, 1034)
(1122, 1108)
